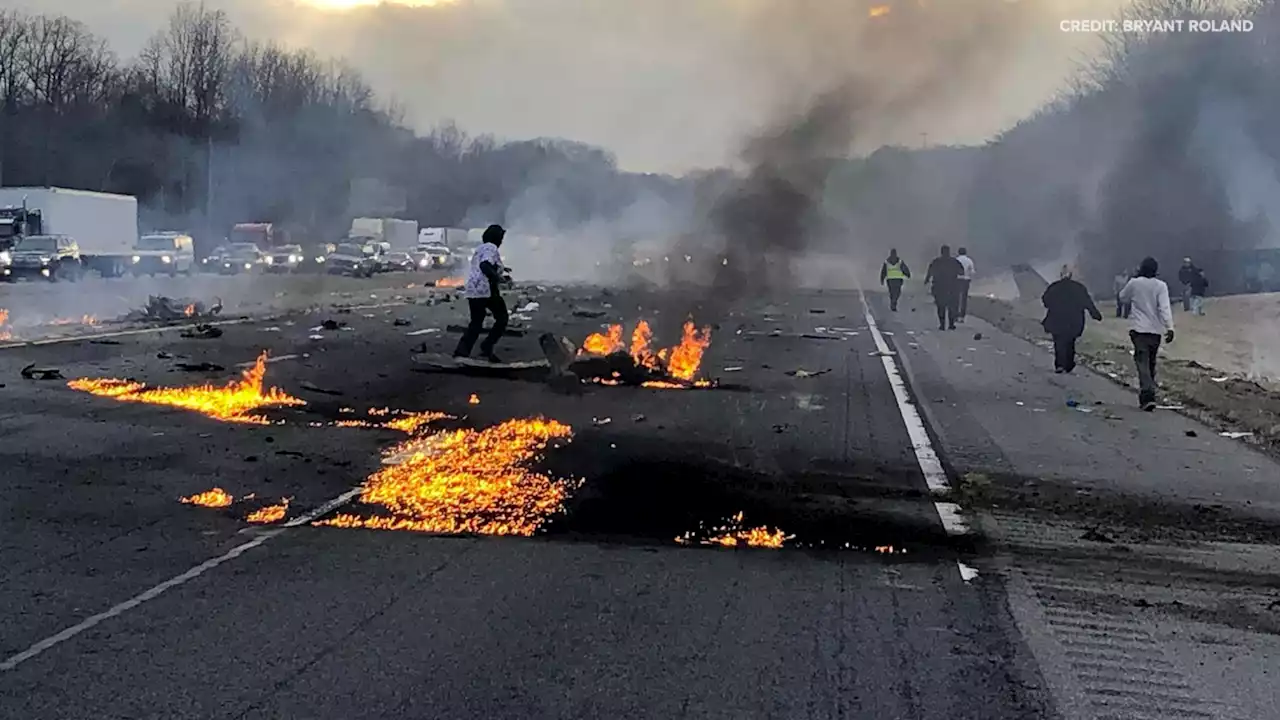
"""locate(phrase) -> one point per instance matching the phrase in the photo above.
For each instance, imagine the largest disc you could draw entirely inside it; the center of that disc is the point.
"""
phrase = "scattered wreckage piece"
(31, 372)
(161, 308)
(199, 367)
(202, 332)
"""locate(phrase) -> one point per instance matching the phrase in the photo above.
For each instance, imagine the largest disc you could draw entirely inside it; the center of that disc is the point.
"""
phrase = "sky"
(667, 85)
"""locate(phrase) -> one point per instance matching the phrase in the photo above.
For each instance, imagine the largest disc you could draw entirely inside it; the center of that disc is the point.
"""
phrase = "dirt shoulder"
(1232, 404)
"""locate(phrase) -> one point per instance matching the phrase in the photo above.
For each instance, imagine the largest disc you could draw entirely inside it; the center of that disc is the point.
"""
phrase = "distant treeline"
(205, 121)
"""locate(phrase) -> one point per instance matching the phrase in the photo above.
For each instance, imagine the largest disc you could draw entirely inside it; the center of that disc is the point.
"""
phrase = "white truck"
(89, 230)
(399, 235)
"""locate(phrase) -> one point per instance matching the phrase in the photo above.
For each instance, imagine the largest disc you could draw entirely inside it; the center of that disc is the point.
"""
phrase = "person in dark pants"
(1186, 274)
(1150, 318)
(484, 296)
(892, 274)
(1066, 302)
(1122, 279)
(1199, 286)
(945, 272)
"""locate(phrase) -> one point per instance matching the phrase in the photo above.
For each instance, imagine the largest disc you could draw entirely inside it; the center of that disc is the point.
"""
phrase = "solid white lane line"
(934, 475)
(195, 572)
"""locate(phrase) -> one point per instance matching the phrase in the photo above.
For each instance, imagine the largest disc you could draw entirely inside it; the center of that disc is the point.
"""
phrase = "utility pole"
(208, 189)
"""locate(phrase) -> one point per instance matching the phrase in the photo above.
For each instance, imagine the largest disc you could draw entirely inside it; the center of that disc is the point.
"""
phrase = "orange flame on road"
(451, 282)
(734, 534)
(232, 403)
(269, 514)
(466, 481)
(189, 310)
(215, 498)
(681, 362)
(4, 320)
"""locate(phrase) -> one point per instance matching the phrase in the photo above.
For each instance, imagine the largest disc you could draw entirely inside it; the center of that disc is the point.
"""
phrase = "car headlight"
(137, 258)
(319, 259)
(294, 259)
(423, 263)
(5, 258)
(248, 266)
(166, 259)
(270, 260)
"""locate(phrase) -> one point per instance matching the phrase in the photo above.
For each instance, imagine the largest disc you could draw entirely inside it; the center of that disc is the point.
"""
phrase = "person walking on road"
(1186, 274)
(1122, 279)
(1199, 284)
(1150, 321)
(893, 273)
(1066, 301)
(945, 273)
(965, 281)
(483, 296)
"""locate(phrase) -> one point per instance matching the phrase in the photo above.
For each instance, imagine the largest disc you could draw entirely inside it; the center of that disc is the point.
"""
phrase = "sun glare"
(354, 4)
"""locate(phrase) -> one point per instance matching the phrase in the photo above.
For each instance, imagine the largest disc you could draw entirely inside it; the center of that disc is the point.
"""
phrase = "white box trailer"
(105, 226)
(402, 235)
(452, 238)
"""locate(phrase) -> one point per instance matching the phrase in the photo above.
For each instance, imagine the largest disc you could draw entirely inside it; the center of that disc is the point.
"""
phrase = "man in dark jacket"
(1066, 301)
(946, 273)
(1186, 274)
(1199, 285)
(892, 274)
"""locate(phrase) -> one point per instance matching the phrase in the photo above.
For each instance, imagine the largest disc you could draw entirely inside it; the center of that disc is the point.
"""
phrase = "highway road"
(933, 488)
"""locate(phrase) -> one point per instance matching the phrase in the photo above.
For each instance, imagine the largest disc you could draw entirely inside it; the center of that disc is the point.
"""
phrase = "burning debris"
(86, 320)
(269, 514)
(233, 403)
(733, 534)
(604, 358)
(5, 333)
(403, 420)
(215, 498)
(451, 282)
(466, 481)
(160, 308)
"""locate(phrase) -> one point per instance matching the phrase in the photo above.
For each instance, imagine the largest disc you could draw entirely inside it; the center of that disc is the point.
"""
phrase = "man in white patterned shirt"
(483, 296)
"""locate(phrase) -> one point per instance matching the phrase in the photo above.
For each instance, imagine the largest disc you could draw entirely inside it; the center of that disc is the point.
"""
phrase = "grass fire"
(638, 363)
(466, 481)
(234, 402)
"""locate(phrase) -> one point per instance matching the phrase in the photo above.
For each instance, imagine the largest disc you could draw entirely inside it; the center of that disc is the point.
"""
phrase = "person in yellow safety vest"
(893, 273)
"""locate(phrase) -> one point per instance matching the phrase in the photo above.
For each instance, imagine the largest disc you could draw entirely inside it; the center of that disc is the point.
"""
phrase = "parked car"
(353, 260)
(285, 259)
(243, 258)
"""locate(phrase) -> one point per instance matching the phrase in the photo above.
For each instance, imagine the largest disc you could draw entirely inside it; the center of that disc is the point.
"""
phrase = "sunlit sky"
(668, 85)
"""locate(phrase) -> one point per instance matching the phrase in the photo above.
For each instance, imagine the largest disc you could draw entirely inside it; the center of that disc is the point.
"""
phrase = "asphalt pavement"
(124, 602)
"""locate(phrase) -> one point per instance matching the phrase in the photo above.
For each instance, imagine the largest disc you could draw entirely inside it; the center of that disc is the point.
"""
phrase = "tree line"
(208, 128)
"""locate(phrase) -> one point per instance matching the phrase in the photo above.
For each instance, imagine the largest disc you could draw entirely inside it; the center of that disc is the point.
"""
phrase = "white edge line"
(89, 623)
(935, 476)
(270, 360)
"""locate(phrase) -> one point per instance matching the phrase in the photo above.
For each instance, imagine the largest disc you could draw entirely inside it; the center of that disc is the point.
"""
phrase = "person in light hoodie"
(1150, 322)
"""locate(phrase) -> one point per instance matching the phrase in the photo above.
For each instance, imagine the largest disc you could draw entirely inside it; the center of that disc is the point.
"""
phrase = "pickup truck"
(167, 253)
(353, 260)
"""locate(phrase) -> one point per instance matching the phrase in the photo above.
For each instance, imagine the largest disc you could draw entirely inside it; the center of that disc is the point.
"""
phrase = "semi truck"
(86, 231)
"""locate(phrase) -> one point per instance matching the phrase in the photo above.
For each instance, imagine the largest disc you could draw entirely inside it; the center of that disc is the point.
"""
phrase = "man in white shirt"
(483, 296)
(1150, 321)
(965, 280)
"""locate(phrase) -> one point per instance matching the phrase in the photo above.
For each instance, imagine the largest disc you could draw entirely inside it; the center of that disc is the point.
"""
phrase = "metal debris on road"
(317, 389)
(638, 417)
(598, 422)
(1237, 435)
(591, 314)
(330, 325)
(199, 367)
(202, 332)
(735, 368)
(807, 373)
(427, 331)
(528, 308)
(31, 372)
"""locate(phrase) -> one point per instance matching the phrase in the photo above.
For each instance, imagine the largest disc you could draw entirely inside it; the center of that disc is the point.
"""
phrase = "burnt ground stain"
(655, 498)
